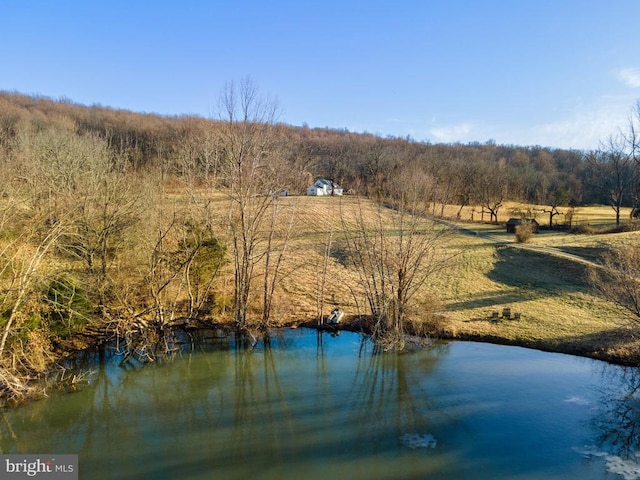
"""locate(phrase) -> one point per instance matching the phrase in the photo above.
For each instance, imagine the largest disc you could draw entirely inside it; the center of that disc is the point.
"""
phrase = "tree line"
(483, 174)
(365, 163)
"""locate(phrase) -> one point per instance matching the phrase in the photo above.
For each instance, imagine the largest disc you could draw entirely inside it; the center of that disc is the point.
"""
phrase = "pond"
(305, 404)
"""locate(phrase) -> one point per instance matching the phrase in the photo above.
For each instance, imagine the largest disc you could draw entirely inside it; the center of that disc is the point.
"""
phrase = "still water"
(310, 405)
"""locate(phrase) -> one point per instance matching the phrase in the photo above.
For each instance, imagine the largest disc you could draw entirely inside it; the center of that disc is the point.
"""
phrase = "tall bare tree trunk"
(322, 280)
(247, 160)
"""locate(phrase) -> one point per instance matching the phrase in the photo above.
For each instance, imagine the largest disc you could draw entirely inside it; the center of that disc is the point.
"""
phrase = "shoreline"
(600, 347)
(85, 343)
(594, 350)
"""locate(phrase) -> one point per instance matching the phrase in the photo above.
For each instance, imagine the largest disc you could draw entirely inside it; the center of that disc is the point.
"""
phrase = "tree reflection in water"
(618, 418)
(383, 398)
(238, 390)
(303, 404)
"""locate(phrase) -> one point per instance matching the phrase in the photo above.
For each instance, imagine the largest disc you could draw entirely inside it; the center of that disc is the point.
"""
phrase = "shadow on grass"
(531, 275)
(492, 299)
(541, 273)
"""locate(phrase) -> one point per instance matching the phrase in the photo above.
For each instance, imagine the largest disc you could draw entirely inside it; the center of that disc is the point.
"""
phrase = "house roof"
(518, 221)
(323, 182)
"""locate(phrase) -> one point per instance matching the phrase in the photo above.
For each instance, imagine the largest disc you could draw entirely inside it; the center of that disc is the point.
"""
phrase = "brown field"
(558, 311)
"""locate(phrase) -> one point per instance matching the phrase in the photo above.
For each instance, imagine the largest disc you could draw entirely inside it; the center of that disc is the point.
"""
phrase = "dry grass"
(557, 309)
(316, 222)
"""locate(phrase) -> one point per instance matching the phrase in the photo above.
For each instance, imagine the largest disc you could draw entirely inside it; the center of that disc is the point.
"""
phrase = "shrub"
(524, 231)
(69, 307)
(426, 318)
(630, 226)
(582, 230)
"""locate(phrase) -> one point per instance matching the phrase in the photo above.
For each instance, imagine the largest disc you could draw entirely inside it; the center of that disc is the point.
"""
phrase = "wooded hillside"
(363, 163)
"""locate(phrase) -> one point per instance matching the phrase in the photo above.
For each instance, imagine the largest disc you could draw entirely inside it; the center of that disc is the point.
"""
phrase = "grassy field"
(557, 310)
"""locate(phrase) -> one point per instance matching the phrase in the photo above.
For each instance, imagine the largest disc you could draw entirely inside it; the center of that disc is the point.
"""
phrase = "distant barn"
(512, 223)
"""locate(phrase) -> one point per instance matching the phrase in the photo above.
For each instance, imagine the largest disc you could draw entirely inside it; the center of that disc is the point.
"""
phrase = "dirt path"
(513, 244)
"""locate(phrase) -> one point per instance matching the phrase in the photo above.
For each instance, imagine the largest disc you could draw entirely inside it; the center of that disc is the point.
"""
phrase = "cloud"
(630, 76)
(580, 124)
(451, 133)
(586, 126)
(582, 128)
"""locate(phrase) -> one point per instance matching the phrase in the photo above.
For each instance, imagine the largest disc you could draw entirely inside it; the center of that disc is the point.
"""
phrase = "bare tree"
(619, 278)
(396, 253)
(375, 164)
(22, 258)
(613, 173)
(77, 177)
(196, 157)
(632, 140)
(492, 187)
(465, 173)
(321, 280)
(26, 250)
(247, 162)
(276, 246)
(555, 198)
(632, 136)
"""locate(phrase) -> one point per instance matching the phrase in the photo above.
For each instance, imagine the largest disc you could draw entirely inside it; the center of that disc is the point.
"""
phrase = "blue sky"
(559, 73)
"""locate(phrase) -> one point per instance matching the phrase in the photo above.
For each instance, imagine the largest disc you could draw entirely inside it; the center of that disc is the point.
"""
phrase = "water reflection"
(384, 399)
(618, 418)
(303, 403)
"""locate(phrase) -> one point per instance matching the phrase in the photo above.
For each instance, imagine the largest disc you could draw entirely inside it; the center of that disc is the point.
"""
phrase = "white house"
(324, 187)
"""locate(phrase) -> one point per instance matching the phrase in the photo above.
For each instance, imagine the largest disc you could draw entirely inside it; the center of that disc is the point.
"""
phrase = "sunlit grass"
(557, 309)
